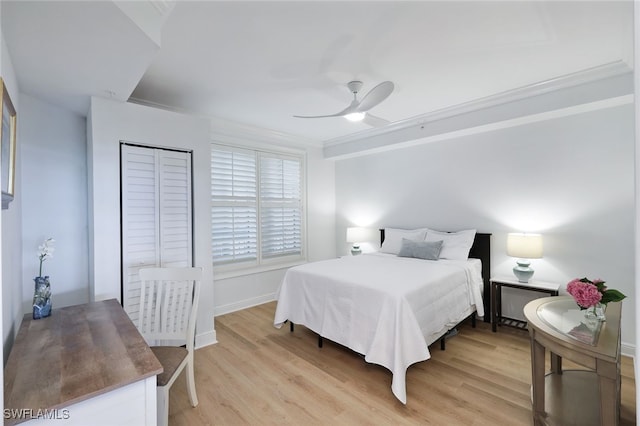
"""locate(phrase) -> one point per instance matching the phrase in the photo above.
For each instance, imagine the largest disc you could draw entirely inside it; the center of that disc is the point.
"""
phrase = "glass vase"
(595, 312)
(41, 298)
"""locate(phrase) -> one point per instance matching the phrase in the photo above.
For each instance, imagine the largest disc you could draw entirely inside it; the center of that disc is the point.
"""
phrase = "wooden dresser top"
(75, 354)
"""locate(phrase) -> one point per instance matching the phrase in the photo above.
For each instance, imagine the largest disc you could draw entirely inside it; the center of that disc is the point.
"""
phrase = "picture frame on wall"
(7, 147)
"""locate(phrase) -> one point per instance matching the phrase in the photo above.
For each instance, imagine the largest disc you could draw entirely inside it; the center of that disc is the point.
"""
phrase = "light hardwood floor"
(260, 375)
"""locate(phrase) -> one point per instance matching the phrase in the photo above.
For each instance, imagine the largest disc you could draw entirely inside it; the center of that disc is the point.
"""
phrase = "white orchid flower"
(45, 251)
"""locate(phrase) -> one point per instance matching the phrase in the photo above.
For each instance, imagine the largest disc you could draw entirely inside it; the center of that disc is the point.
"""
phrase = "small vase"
(595, 312)
(41, 298)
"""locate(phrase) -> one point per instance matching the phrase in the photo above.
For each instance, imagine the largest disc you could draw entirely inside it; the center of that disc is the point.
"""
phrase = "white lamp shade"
(359, 235)
(524, 246)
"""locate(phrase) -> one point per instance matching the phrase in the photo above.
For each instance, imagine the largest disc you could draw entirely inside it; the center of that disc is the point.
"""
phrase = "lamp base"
(523, 272)
(355, 250)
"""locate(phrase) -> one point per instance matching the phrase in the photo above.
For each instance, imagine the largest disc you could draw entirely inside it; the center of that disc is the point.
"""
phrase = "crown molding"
(587, 86)
(494, 126)
(157, 105)
(233, 132)
(239, 133)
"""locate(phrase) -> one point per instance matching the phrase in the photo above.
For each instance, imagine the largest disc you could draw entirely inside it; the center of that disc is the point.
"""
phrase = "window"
(256, 207)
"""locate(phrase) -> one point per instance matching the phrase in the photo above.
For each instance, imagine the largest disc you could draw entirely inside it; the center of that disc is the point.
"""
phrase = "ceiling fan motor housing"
(354, 86)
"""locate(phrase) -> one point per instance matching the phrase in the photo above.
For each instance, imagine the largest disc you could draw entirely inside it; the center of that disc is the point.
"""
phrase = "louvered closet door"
(156, 215)
(175, 209)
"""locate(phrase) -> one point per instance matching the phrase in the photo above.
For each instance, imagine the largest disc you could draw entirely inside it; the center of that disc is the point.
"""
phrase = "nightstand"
(496, 299)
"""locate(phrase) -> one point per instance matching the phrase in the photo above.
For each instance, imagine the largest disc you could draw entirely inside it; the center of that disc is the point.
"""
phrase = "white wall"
(321, 206)
(636, 79)
(239, 292)
(12, 312)
(570, 178)
(54, 200)
(109, 123)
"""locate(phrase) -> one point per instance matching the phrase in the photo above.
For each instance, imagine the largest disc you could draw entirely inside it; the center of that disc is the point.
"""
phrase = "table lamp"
(357, 235)
(524, 247)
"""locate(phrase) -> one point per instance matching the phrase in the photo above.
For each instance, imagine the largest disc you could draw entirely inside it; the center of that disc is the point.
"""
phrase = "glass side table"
(564, 316)
(574, 396)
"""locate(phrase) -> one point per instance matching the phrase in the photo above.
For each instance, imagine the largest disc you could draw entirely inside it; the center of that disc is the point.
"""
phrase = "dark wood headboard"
(481, 249)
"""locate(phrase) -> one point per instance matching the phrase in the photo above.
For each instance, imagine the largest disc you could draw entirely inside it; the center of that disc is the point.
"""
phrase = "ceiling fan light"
(355, 116)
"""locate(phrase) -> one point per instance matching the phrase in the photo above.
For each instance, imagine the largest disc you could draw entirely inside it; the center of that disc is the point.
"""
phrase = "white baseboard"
(627, 349)
(206, 339)
(244, 304)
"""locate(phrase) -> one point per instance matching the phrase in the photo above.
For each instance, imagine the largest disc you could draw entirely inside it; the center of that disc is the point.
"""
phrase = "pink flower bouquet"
(589, 293)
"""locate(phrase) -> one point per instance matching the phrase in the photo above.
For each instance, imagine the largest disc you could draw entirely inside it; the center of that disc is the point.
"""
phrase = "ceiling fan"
(357, 110)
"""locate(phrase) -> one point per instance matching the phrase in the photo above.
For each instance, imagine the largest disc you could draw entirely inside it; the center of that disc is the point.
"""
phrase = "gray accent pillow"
(428, 250)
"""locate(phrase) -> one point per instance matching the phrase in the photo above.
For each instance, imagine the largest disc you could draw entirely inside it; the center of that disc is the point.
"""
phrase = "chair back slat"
(168, 303)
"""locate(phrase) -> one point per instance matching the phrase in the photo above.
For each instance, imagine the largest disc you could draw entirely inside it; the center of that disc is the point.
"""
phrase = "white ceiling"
(259, 63)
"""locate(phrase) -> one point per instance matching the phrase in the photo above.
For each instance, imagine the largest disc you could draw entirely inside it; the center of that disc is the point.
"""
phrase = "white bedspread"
(385, 307)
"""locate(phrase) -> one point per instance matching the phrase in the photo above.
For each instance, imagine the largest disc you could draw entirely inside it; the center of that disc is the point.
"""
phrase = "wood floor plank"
(260, 375)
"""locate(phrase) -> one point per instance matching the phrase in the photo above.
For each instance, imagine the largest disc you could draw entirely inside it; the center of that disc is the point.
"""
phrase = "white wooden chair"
(167, 316)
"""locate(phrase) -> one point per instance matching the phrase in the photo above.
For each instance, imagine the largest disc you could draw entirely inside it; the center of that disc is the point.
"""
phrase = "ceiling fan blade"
(345, 111)
(375, 96)
(317, 116)
(375, 121)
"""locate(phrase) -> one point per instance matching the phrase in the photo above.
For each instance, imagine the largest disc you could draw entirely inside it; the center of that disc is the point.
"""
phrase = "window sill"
(233, 273)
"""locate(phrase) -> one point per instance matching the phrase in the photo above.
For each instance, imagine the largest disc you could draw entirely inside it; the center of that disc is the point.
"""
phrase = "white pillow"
(455, 245)
(393, 238)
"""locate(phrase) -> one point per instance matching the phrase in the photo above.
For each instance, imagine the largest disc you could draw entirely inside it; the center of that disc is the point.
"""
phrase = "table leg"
(537, 381)
(609, 384)
(556, 363)
(608, 403)
(499, 304)
(493, 307)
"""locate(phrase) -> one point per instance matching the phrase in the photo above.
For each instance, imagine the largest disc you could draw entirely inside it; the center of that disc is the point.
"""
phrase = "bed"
(387, 307)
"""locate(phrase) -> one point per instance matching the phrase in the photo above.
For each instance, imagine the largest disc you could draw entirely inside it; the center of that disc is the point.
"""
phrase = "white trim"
(533, 118)
(609, 70)
(235, 132)
(627, 349)
(244, 304)
(595, 84)
(254, 146)
(244, 134)
(206, 339)
(219, 273)
(158, 105)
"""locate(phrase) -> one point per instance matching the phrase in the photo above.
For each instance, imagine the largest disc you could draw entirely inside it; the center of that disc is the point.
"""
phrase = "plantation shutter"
(156, 215)
(234, 206)
(256, 206)
(281, 206)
